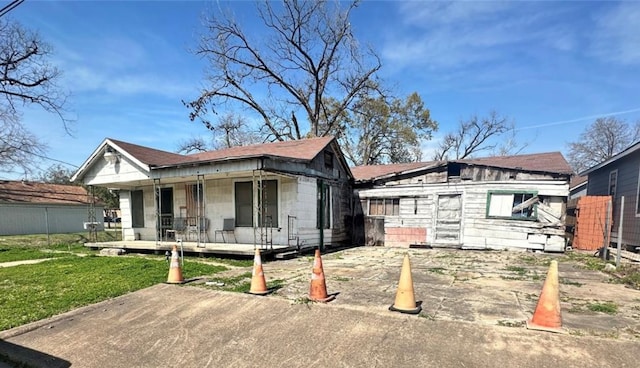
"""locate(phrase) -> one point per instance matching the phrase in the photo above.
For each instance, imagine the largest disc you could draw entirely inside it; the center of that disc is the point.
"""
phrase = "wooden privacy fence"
(593, 222)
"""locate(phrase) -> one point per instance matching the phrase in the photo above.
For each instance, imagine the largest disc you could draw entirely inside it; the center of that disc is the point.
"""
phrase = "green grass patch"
(606, 307)
(566, 281)
(586, 260)
(341, 278)
(628, 275)
(517, 269)
(12, 254)
(438, 270)
(32, 292)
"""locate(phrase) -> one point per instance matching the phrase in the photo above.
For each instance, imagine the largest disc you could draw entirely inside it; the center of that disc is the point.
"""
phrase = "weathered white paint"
(477, 230)
(101, 172)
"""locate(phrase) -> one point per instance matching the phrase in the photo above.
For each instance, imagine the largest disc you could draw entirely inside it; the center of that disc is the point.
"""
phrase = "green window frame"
(504, 204)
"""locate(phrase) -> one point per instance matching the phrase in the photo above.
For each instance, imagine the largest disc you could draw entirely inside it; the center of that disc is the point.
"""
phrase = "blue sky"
(552, 67)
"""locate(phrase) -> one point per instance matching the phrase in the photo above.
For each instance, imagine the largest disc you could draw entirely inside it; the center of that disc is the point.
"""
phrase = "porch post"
(201, 202)
(157, 205)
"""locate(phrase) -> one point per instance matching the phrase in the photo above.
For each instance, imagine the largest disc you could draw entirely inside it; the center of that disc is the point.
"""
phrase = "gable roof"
(552, 162)
(32, 192)
(629, 150)
(151, 158)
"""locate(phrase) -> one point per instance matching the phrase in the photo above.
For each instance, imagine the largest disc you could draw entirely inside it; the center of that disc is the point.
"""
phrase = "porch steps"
(287, 255)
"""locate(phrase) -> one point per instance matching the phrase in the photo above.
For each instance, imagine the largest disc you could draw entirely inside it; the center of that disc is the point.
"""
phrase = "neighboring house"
(578, 186)
(293, 193)
(619, 177)
(488, 203)
(40, 208)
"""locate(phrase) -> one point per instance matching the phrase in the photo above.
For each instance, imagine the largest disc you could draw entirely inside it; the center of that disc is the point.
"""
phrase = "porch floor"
(237, 249)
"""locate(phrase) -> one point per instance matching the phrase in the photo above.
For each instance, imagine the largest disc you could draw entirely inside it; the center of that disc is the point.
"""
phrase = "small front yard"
(75, 277)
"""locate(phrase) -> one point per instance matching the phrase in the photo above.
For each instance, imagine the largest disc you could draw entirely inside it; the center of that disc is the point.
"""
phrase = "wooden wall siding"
(404, 236)
(590, 230)
(478, 232)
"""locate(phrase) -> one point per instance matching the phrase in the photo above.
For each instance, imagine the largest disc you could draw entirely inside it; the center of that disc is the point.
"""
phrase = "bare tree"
(308, 54)
(600, 141)
(231, 130)
(56, 174)
(26, 78)
(472, 136)
(19, 149)
(510, 144)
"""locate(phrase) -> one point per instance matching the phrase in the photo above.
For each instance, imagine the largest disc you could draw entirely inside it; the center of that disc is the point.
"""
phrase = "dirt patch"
(489, 287)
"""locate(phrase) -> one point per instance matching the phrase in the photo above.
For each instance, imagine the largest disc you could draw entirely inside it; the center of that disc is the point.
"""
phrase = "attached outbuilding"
(485, 203)
(282, 195)
(41, 208)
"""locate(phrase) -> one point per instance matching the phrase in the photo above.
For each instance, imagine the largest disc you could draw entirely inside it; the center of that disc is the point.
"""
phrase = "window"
(244, 204)
(613, 183)
(512, 205)
(638, 197)
(324, 206)
(328, 160)
(137, 209)
(384, 207)
(268, 199)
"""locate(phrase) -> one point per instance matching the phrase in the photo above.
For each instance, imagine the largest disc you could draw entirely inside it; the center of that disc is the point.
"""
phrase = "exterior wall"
(297, 197)
(627, 185)
(19, 219)
(123, 171)
(418, 210)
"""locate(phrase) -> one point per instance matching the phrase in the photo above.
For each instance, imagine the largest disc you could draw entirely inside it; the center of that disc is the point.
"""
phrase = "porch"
(234, 249)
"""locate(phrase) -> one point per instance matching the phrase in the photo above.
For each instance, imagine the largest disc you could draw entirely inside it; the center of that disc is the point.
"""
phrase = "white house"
(292, 194)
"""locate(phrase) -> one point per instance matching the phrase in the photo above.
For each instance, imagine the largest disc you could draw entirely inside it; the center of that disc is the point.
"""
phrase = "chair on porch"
(192, 228)
(179, 226)
(229, 227)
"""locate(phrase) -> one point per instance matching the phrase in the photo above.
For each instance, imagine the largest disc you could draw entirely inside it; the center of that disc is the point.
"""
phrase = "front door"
(165, 211)
(448, 220)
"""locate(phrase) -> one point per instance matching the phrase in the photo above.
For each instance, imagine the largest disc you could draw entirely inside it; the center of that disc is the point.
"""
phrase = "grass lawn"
(32, 292)
(22, 247)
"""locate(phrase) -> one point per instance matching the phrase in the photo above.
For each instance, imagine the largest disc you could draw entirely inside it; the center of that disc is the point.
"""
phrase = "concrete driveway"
(474, 303)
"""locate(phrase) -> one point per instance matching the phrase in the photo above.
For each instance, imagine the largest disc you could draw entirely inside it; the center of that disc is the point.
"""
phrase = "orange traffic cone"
(405, 300)
(258, 283)
(318, 290)
(175, 272)
(547, 314)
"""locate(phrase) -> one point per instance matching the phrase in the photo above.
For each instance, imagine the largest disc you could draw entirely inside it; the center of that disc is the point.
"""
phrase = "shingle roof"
(149, 156)
(303, 149)
(32, 192)
(545, 162)
(577, 180)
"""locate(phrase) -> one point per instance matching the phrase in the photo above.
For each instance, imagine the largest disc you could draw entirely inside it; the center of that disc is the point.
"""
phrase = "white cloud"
(454, 35)
(616, 37)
